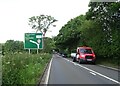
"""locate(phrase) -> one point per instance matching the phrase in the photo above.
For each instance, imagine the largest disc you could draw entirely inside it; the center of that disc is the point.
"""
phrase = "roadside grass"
(20, 69)
(108, 62)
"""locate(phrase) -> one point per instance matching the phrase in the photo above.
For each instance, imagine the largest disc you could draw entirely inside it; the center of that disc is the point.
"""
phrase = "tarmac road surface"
(64, 71)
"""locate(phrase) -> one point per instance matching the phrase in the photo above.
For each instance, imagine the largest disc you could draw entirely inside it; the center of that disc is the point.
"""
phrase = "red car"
(85, 54)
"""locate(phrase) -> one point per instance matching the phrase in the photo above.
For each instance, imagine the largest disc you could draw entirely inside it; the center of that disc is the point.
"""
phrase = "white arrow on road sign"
(35, 43)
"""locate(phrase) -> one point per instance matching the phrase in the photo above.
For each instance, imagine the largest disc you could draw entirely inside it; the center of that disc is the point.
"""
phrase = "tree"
(12, 46)
(49, 45)
(107, 15)
(41, 23)
(69, 35)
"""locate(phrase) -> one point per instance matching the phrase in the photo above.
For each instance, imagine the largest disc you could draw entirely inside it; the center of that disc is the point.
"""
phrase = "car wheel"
(74, 59)
(93, 63)
(79, 61)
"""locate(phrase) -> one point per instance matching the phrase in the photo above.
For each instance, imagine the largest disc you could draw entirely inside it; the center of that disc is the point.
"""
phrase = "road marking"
(68, 60)
(110, 67)
(48, 72)
(74, 63)
(95, 72)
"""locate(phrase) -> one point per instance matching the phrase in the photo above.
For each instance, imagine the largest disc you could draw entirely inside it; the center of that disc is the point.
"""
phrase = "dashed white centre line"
(93, 73)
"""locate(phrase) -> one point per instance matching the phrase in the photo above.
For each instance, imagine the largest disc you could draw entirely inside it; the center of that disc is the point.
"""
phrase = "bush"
(23, 68)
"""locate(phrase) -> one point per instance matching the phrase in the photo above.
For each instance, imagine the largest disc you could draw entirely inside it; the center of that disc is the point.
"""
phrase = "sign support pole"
(37, 51)
(29, 51)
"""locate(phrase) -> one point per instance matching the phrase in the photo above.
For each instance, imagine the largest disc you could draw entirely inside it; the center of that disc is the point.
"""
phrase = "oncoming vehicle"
(85, 54)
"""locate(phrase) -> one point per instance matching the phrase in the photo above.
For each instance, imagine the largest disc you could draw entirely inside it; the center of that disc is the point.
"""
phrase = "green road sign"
(33, 41)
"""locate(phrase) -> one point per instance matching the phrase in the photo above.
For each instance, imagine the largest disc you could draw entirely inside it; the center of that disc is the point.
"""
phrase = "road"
(64, 71)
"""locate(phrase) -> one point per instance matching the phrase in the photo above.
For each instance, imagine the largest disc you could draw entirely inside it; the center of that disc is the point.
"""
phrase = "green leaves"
(23, 69)
(69, 34)
(12, 46)
(41, 23)
(49, 45)
(99, 29)
(105, 14)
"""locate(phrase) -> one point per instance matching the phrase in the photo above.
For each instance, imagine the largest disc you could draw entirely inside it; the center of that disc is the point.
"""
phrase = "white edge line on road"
(109, 67)
(48, 72)
(96, 72)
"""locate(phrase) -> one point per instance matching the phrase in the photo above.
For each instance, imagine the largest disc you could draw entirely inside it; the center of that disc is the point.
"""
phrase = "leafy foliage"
(12, 46)
(69, 35)
(99, 29)
(49, 45)
(23, 69)
(41, 23)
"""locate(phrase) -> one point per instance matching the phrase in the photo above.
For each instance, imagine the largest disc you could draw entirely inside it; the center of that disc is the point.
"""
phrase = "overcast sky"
(14, 15)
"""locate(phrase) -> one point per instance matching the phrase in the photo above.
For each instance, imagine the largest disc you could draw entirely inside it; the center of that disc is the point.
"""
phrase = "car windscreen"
(86, 51)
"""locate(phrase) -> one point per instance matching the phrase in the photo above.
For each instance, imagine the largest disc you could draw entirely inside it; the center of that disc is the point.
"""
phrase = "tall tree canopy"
(41, 23)
(107, 15)
(69, 34)
(99, 29)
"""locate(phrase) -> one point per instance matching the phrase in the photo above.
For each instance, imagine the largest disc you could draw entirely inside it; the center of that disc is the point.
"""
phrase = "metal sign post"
(29, 51)
(37, 51)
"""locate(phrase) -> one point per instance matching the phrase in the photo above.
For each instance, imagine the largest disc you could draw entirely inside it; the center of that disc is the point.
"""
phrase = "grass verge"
(19, 69)
(109, 62)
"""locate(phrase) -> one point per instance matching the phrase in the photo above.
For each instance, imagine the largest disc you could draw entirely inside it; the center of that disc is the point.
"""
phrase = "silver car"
(73, 55)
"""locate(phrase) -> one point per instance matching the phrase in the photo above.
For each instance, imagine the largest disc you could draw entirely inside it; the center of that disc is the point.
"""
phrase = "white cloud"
(14, 15)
